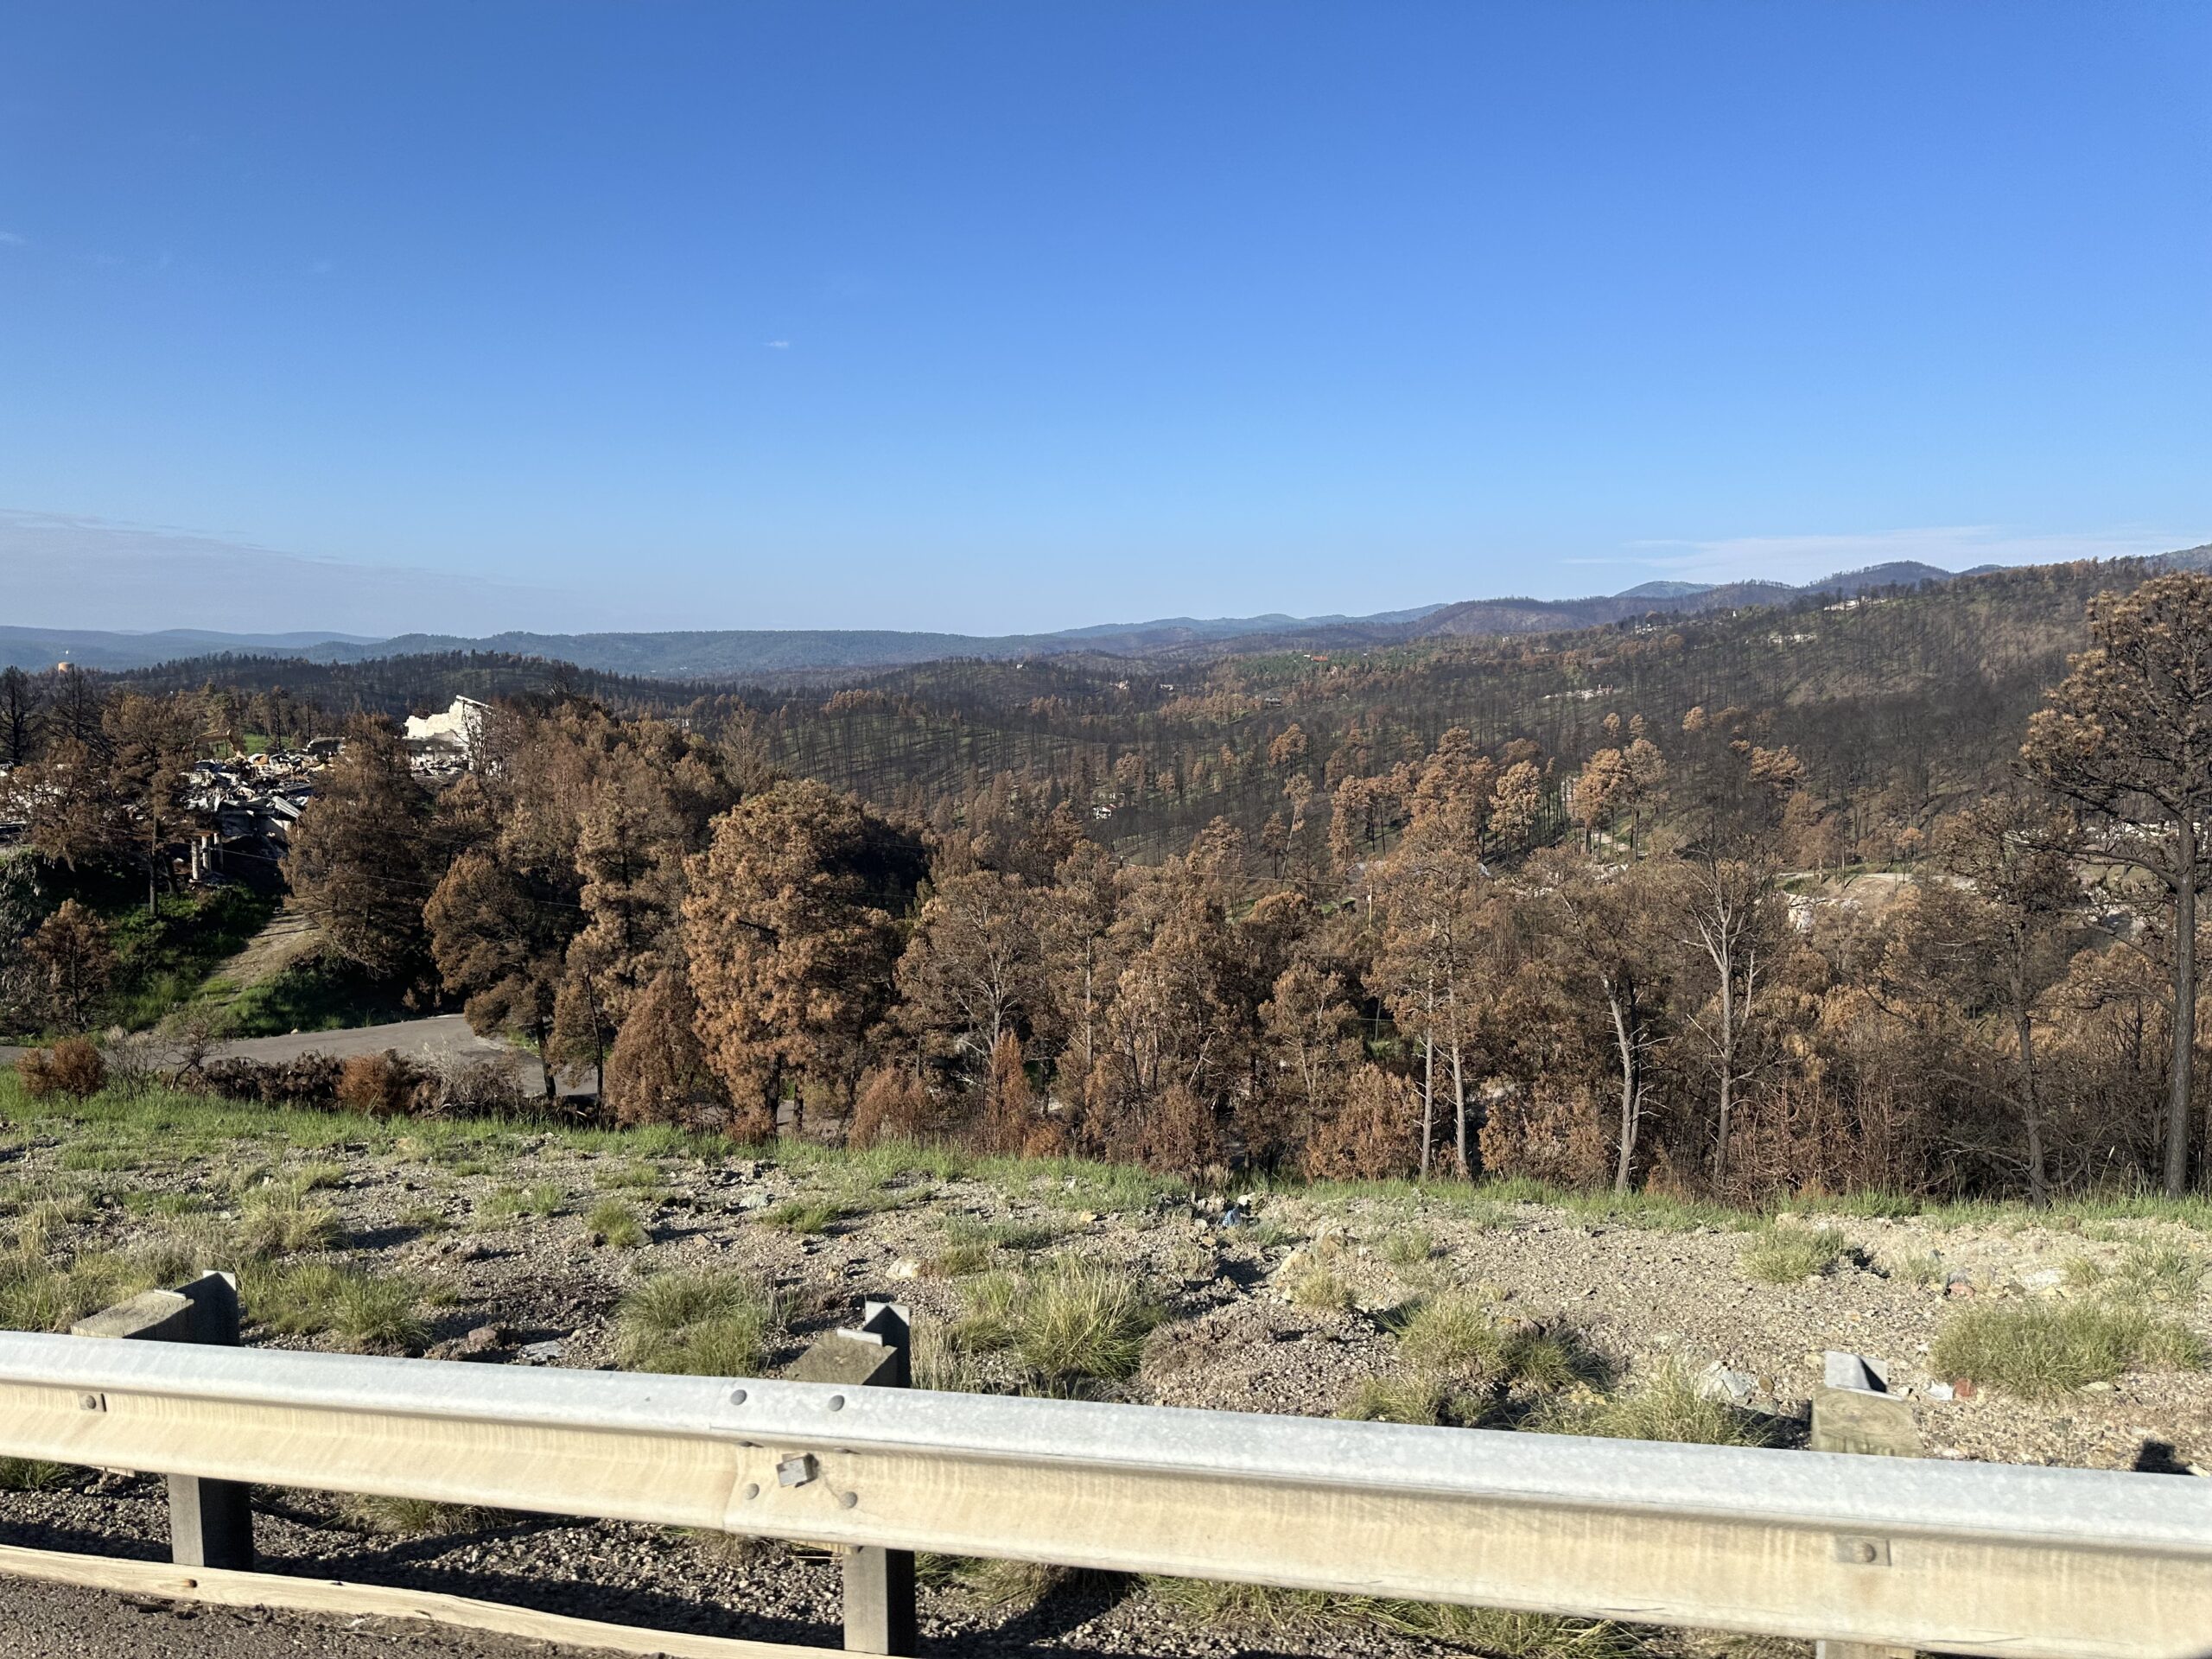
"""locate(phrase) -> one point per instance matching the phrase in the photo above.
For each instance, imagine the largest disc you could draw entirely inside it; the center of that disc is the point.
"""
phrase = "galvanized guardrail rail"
(1961, 1558)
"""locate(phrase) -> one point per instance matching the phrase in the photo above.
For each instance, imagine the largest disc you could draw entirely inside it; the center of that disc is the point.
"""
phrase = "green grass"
(1786, 1253)
(697, 1323)
(2039, 1349)
(804, 1215)
(1506, 1635)
(163, 960)
(1070, 1323)
(308, 1299)
(1017, 1237)
(1451, 1332)
(615, 1224)
(1316, 1287)
(30, 1475)
(959, 1259)
(2163, 1275)
(1275, 1615)
(280, 1220)
(316, 993)
(631, 1178)
(543, 1200)
(1408, 1247)
(1078, 1320)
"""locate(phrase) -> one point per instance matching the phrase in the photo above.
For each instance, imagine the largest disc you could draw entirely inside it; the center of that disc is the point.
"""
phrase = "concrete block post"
(211, 1522)
(1855, 1411)
(879, 1583)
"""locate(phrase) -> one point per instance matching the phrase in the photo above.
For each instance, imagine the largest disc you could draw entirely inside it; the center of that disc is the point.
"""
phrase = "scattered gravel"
(534, 1290)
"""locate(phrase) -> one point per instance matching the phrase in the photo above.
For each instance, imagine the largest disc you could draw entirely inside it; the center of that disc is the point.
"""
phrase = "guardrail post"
(879, 1583)
(211, 1522)
(1855, 1411)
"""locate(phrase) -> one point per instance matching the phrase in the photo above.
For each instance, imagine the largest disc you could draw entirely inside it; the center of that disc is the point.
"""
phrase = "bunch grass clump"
(1785, 1254)
(1070, 1323)
(615, 1223)
(32, 1475)
(697, 1323)
(1665, 1406)
(2038, 1350)
(280, 1219)
(1420, 1398)
(1451, 1332)
(1408, 1247)
(804, 1215)
(543, 1199)
(318, 1298)
(414, 1517)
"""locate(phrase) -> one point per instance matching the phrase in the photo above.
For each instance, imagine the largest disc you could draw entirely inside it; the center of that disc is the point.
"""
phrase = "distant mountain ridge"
(732, 653)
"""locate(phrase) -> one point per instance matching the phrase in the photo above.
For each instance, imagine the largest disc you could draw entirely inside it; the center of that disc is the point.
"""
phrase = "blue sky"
(994, 317)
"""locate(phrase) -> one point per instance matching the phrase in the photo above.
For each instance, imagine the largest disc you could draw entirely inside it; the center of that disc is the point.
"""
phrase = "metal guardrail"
(1963, 1558)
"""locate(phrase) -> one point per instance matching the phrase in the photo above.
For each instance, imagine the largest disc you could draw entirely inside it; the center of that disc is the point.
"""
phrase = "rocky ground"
(1285, 1301)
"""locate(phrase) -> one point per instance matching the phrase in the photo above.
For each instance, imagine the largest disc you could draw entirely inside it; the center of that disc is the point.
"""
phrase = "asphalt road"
(444, 1036)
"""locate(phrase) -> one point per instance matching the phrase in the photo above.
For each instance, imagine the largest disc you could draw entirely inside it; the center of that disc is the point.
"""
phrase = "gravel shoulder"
(437, 1206)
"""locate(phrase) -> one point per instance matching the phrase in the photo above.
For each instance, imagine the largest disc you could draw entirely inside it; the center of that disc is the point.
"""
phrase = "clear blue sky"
(1031, 315)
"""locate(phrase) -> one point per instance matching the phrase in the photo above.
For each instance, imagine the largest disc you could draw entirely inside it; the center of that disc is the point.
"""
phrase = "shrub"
(72, 1067)
(378, 1086)
(892, 1105)
(657, 1072)
(481, 1085)
(1373, 1136)
(1784, 1255)
(2043, 1349)
(304, 1080)
(705, 1324)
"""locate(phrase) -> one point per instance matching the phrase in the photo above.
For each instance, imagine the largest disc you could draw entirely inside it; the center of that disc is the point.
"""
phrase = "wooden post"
(879, 1583)
(1855, 1411)
(211, 1522)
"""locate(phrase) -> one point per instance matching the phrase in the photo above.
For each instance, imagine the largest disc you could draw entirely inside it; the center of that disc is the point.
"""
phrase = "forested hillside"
(1565, 906)
(1897, 703)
